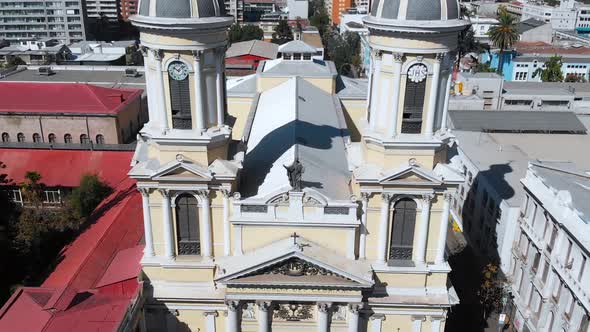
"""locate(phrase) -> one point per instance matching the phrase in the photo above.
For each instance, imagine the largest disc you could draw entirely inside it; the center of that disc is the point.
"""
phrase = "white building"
(298, 9)
(28, 20)
(108, 8)
(550, 271)
(481, 25)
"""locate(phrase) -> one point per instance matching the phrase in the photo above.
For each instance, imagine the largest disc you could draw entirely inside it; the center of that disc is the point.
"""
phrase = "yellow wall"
(355, 113)
(239, 108)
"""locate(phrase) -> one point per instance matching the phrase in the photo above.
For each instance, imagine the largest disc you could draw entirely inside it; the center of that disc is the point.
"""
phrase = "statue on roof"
(295, 172)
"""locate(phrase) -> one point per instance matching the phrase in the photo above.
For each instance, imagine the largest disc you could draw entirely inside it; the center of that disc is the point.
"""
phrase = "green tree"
(504, 35)
(344, 50)
(319, 17)
(484, 68)
(32, 188)
(491, 291)
(86, 197)
(468, 43)
(16, 61)
(551, 71)
(283, 33)
(238, 33)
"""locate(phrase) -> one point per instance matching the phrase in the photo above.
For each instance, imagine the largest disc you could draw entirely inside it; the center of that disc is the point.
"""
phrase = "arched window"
(84, 139)
(187, 225)
(5, 137)
(99, 139)
(414, 99)
(20, 137)
(51, 138)
(67, 138)
(36, 138)
(180, 100)
(402, 231)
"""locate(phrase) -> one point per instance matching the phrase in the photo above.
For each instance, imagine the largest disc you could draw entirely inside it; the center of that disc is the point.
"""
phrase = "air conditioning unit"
(131, 72)
(46, 71)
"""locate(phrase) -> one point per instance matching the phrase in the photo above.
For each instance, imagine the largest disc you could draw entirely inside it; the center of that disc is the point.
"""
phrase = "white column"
(147, 223)
(206, 249)
(353, 319)
(210, 320)
(377, 322)
(417, 323)
(363, 229)
(231, 325)
(263, 318)
(323, 319)
(161, 94)
(433, 98)
(220, 82)
(148, 84)
(350, 247)
(375, 91)
(444, 226)
(443, 127)
(435, 323)
(397, 79)
(238, 240)
(370, 85)
(423, 229)
(198, 81)
(383, 227)
(167, 223)
(226, 226)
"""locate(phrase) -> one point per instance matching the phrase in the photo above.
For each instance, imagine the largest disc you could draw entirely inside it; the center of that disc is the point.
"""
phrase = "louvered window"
(180, 103)
(413, 105)
(187, 227)
(402, 231)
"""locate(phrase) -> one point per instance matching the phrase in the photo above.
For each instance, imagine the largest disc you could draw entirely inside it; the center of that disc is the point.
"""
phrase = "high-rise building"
(279, 201)
(337, 7)
(29, 20)
(109, 8)
(128, 8)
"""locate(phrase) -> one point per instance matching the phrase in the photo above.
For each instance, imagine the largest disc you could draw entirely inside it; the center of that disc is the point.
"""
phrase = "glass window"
(84, 139)
(402, 231)
(99, 139)
(36, 138)
(20, 137)
(187, 219)
(5, 137)
(67, 138)
(51, 138)
(52, 196)
(414, 99)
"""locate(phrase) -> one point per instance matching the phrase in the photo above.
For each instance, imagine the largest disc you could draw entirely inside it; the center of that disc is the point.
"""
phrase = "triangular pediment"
(411, 175)
(182, 171)
(302, 265)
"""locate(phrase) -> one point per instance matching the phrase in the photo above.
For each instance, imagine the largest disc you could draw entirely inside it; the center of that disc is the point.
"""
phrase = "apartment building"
(27, 20)
(128, 8)
(550, 271)
(108, 8)
(335, 8)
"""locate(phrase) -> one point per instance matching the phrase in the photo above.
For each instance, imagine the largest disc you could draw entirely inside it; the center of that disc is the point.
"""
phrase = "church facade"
(281, 202)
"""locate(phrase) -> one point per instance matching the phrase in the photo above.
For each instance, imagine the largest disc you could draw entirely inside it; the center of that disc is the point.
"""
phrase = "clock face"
(417, 73)
(178, 70)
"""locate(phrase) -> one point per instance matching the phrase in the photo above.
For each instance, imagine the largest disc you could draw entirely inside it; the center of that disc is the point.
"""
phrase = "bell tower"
(183, 43)
(412, 51)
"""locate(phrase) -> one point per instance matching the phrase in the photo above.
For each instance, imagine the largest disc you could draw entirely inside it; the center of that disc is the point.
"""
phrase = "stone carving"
(324, 307)
(294, 312)
(264, 305)
(417, 73)
(339, 313)
(284, 198)
(308, 200)
(296, 267)
(232, 305)
(248, 312)
(295, 172)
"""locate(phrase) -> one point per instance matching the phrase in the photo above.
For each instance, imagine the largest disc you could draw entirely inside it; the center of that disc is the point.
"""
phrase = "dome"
(405, 13)
(179, 9)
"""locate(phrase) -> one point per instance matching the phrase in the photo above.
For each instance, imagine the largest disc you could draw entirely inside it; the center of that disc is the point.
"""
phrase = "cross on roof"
(295, 236)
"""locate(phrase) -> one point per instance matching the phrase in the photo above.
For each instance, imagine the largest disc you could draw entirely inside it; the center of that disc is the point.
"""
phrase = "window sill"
(181, 262)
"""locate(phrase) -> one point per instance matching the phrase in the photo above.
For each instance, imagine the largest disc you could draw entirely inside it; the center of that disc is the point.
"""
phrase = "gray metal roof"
(419, 10)
(182, 8)
(114, 79)
(529, 24)
(296, 46)
(517, 121)
(318, 134)
(281, 68)
(253, 47)
(351, 88)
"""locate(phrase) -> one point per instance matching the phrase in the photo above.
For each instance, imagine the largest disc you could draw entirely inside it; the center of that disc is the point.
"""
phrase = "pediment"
(183, 171)
(294, 271)
(411, 175)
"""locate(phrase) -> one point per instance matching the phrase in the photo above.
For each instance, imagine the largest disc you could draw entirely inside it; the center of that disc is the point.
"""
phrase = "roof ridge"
(541, 164)
(93, 89)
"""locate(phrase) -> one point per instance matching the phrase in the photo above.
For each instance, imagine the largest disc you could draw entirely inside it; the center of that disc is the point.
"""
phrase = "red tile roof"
(95, 283)
(71, 98)
(64, 168)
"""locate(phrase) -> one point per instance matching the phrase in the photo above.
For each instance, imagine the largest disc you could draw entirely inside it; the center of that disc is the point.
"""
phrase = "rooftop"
(253, 47)
(105, 78)
(60, 98)
(530, 24)
(296, 46)
(110, 166)
(517, 122)
(305, 68)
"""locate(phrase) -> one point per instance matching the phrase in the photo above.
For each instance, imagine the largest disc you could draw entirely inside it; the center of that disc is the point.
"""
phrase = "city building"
(298, 9)
(68, 115)
(235, 8)
(495, 149)
(534, 30)
(352, 235)
(95, 285)
(37, 52)
(109, 166)
(95, 9)
(298, 50)
(128, 8)
(481, 25)
(30, 20)
(549, 268)
(243, 58)
(335, 8)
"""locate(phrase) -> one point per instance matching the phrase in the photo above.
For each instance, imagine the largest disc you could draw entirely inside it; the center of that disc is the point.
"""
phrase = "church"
(295, 199)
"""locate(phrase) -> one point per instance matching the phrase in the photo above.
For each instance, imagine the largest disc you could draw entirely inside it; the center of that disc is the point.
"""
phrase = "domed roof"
(181, 8)
(436, 12)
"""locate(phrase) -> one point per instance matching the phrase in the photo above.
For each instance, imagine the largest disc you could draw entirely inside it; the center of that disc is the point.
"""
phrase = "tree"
(504, 35)
(491, 291)
(551, 71)
(468, 43)
(344, 50)
(484, 68)
(319, 17)
(32, 188)
(86, 197)
(238, 33)
(283, 33)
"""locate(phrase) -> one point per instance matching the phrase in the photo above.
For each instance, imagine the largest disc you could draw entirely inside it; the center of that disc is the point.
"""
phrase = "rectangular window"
(545, 272)
(16, 196)
(536, 261)
(52, 197)
(582, 267)
(552, 238)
